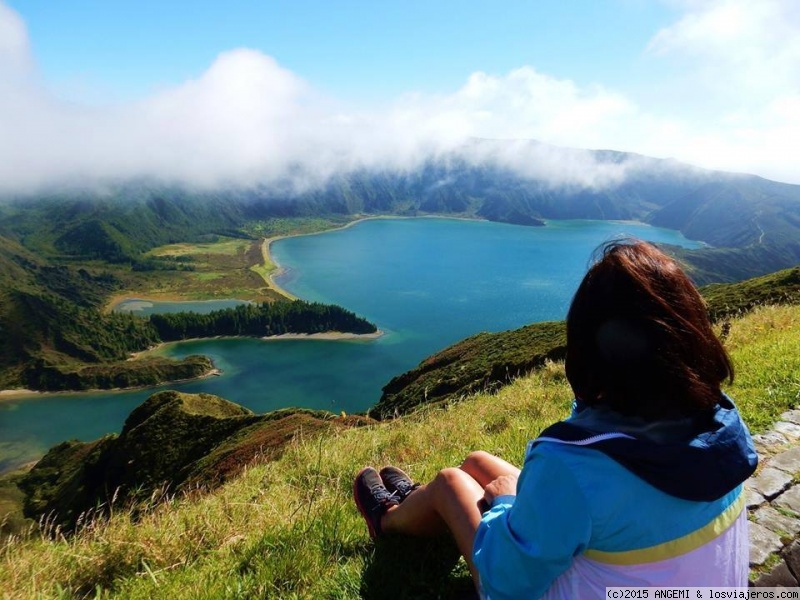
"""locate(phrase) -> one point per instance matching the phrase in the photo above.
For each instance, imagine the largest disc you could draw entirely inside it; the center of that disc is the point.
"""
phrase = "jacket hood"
(699, 460)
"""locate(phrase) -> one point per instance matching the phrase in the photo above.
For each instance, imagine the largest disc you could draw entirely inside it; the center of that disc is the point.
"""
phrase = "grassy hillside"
(288, 527)
(480, 363)
(172, 441)
(726, 300)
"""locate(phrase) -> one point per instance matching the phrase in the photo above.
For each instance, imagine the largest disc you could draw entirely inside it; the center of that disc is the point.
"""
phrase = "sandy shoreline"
(23, 394)
(268, 258)
(279, 269)
(325, 335)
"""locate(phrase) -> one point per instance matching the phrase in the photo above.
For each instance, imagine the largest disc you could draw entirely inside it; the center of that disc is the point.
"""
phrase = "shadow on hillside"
(416, 568)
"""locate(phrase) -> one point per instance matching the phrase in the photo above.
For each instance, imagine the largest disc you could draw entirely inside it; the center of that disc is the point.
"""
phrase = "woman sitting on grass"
(640, 486)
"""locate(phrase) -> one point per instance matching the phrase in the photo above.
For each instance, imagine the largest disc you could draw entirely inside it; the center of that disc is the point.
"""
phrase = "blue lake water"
(426, 283)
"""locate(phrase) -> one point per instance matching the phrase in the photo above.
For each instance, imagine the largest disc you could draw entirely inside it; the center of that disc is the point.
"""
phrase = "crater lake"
(425, 282)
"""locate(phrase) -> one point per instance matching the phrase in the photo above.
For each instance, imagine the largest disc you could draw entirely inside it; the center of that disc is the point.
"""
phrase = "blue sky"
(351, 49)
(240, 91)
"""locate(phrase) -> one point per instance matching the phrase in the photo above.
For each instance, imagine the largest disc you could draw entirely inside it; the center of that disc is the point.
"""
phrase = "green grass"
(765, 346)
(227, 246)
(212, 276)
(289, 529)
(11, 498)
(226, 268)
(732, 299)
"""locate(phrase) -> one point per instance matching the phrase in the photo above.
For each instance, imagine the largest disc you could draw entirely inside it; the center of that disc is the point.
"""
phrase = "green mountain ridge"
(754, 222)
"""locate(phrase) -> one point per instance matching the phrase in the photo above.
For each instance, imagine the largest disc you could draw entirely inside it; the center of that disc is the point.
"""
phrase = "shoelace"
(383, 497)
(404, 488)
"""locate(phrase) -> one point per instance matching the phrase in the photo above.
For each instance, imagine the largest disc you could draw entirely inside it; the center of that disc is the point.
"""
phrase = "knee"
(450, 478)
(476, 461)
(455, 490)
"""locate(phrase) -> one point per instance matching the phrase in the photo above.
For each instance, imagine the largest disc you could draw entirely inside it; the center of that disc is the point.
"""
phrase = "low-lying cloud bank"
(246, 120)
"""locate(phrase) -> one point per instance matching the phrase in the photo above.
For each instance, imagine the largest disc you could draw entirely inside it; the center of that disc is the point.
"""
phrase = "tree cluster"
(260, 320)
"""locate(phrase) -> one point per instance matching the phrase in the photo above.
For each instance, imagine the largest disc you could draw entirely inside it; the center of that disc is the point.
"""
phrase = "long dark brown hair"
(639, 339)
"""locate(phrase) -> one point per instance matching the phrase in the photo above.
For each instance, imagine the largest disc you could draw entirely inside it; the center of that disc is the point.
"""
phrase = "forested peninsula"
(55, 345)
(261, 320)
(57, 334)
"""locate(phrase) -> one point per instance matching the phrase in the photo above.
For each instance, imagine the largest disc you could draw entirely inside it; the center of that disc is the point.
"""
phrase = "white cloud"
(248, 120)
(523, 104)
(232, 123)
(748, 50)
(741, 62)
(14, 46)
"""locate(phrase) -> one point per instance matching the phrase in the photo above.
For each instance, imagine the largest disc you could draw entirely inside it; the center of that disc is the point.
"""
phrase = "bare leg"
(485, 468)
(450, 501)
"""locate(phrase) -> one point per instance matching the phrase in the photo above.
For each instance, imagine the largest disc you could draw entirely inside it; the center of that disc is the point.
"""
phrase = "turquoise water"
(425, 282)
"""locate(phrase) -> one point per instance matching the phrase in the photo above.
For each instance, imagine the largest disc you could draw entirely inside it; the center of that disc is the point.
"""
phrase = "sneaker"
(372, 499)
(397, 482)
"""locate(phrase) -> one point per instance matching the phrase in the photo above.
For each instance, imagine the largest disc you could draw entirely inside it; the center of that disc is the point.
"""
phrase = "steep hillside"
(733, 299)
(481, 363)
(52, 328)
(172, 441)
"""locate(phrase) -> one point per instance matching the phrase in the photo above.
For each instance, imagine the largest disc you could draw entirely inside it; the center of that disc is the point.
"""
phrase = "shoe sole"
(372, 533)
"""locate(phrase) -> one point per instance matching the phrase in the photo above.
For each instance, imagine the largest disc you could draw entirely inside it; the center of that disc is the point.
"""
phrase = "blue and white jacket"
(605, 500)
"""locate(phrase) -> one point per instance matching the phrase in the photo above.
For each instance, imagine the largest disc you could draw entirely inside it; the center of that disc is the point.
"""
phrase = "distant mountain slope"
(117, 224)
(50, 309)
(753, 224)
